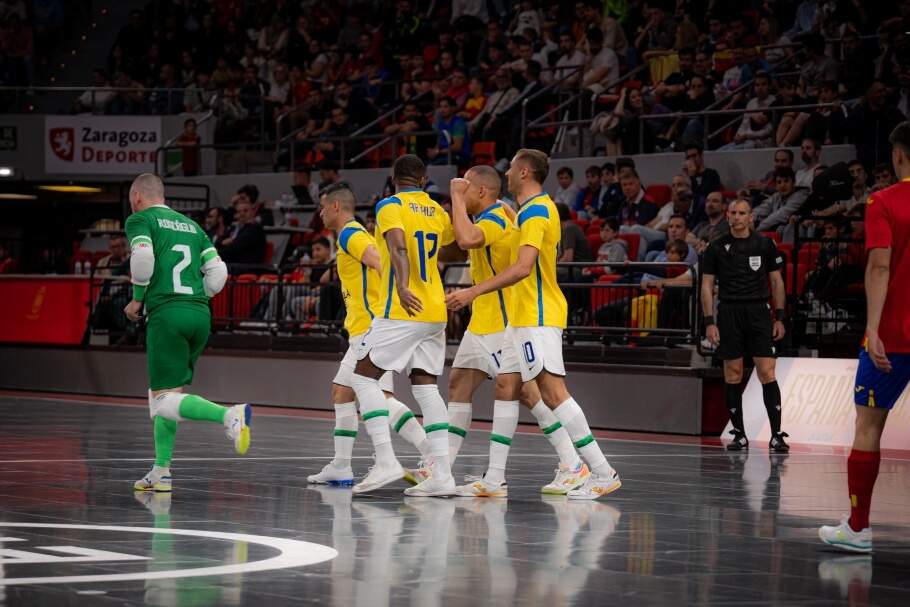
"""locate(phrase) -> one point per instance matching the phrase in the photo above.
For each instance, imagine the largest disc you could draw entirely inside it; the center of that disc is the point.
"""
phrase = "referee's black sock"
(734, 398)
(771, 395)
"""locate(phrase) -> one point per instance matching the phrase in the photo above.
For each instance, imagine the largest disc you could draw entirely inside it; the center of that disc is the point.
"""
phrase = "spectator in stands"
(674, 251)
(715, 225)
(637, 208)
(658, 33)
(676, 230)
(755, 129)
(806, 18)
(570, 61)
(884, 176)
(273, 39)
(838, 265)
(246, 242)
(672, 90)
(613, 248)
(475, 101)
(201, 95)
(817, 68)
(112, 264)
(133, 37)
(769, 35)
(704, 180)
(95, 99)
(873, 119)
(304, 301)
(506, 130)
(828, 124)
(857, 67)
(625, 129)
(602, 65)
(131, 100)
(775, 213)
(167, 96)
(252, 91)
(783, 159)
(567, 192)
(340, 126)
(611, 196)
(588, 197)
(458, 87)
(453, 136)
(861, 193)
(503, 97)
(653, 234)
(216, 225)
(698, 98)
(412, 120)
(811, 153)
(189, 142)
(573, 245)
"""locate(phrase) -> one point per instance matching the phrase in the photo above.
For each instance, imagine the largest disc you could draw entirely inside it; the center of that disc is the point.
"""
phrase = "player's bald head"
(486, 177)
(147, 190)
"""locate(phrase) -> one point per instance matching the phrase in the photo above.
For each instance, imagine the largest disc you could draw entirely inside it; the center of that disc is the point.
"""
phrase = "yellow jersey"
(426, 227)
(537, 300)
(489, 312)
(359, 284)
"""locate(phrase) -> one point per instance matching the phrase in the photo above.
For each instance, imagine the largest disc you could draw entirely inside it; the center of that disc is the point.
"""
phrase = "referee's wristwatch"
(780, 315)
(709, 320)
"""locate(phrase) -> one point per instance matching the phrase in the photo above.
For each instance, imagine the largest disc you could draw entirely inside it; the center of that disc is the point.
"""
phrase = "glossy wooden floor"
(691, 524)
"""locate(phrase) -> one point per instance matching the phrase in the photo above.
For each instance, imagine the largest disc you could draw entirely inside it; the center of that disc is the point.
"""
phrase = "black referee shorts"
(745, 329)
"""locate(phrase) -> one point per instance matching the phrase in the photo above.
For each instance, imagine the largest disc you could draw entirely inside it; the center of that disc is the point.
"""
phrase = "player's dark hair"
(566, 171)
(342, 192)
(900, 137)
(536, 161)
(408, 168)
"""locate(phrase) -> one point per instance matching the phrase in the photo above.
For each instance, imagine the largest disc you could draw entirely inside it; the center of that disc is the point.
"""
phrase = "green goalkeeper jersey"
(180, 247)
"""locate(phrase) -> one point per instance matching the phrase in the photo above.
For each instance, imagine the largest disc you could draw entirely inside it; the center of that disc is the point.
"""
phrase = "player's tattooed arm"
(398, 256)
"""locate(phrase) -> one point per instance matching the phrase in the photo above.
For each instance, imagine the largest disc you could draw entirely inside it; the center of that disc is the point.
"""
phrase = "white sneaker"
(158, 479)
(483, 488)
(567, 479)
(333, 475)
(596, 486)
(843, 537)
(419, 474)
(433, 486)
(237, 427)
(378, 477)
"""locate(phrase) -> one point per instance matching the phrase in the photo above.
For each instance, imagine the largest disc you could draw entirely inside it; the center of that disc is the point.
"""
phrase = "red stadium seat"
(594, 242)
(773, 236)
(483, 152)
(634, 241)
(269, 251)
(602, 296)
(582, 223)
(659, 193)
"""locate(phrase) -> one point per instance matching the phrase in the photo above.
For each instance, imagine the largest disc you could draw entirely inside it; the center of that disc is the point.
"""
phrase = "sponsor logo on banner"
(817, 404)
(101, 144)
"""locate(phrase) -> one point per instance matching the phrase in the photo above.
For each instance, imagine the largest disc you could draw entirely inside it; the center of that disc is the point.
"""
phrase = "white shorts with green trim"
(530, 350)
(403, 345)
(349, 362)
(480, 352)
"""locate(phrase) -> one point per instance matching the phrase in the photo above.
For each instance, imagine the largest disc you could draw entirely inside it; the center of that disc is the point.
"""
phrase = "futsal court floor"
(691, 524)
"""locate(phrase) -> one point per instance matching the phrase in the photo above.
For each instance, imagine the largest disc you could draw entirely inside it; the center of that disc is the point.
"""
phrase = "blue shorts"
(880, 390)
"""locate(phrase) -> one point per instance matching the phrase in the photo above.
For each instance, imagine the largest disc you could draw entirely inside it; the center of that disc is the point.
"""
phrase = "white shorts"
(403, 345)
(480, 352)
(530, 350)
(346, 369)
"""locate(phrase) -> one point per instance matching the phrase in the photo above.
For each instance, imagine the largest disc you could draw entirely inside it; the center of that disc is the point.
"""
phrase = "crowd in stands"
(17, 43)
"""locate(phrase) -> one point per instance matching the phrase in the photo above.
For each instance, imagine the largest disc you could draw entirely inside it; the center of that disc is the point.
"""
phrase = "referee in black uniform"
(742, 262)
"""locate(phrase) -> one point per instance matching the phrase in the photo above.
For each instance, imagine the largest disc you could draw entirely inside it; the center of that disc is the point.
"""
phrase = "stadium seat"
(582, 223)
(602, 296)
(483, 152)
(660, 193)
(729, 195)
(269, 251)
(808, 253)
(594, 242)
(634, 241)
(773, 235)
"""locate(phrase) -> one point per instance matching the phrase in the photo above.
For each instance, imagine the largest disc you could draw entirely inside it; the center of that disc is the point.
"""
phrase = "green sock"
(165, 434)
(196, 407)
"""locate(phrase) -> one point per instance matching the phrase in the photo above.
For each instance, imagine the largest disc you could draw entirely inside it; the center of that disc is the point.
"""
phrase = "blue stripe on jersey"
(385, 201)
(502, 301)
(535, 210)
(388, 301)
(495, 205)
(494, 218)
(366, 301)
(539, 294)
(345, 236)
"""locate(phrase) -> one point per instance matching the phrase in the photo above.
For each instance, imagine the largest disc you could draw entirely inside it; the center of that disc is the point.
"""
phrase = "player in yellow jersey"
(358, 265)
(408, 331)
(490, 240)
(532, 348)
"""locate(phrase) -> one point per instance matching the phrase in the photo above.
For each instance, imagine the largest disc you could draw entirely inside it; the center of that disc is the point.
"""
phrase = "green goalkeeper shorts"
(175, 337)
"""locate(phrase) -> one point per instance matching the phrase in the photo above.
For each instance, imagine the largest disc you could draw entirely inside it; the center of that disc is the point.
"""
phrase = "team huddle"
(396, 313)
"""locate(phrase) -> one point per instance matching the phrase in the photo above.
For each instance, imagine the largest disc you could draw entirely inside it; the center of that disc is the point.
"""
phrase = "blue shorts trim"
(880, 390)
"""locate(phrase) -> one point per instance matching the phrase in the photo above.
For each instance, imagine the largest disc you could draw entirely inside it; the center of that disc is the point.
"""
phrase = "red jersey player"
(884, 361)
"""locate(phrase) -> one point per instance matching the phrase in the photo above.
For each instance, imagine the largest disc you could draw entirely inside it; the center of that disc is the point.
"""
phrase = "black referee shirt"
(741, 266)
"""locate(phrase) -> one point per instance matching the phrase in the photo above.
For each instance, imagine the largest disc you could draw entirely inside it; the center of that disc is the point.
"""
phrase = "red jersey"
(888, 225)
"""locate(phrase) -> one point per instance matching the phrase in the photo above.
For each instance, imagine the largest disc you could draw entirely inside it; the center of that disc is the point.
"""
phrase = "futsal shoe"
(433, 486)
(777, 444)
(378, 477)
(157, 480)
(844, 537)
(417, 475)
(596, 486)
(237, 426)
(333, 475)
(567, 479)
(483, 488)
(739, 442)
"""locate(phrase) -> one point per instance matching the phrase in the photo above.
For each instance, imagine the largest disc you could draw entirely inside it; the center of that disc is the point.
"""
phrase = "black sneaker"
(777, 444)
(739, 442)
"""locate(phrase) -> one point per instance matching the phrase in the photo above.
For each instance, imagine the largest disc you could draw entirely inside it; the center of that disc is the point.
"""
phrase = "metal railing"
(241, 147)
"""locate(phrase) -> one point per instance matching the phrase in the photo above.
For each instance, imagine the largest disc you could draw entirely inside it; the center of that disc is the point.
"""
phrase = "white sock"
(459, 422)
(345, 433)
(375, 417)
(161, 470)
(402, 420)
(436, 425)
(574, 421)
(556, 434)
(505, 421)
